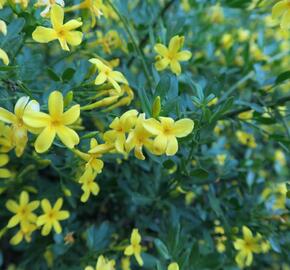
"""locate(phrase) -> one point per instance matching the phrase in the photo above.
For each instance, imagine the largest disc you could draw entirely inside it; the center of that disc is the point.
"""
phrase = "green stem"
(133, 40)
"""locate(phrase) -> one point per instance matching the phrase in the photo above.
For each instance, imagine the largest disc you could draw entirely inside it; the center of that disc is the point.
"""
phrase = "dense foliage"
(144, 134)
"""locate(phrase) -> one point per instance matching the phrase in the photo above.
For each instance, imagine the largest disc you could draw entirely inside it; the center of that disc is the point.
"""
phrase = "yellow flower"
(24, 232)
(189, 197)
(2, 3)
(167, 131)
(94, 166)
(103, 264)
(4, 57)
(22, 106)
(48, 5)
(220, 238)
(106, 73)
(4, 173)
(23, 210)
(120, 126)
(257, 53)
(51, 216)
(216, 14)
(227, 41)
(214, 101)
(54, 123)
(6, 138)
(92, 158)
(125, 263)
(65, 33)
(246, 115)
(89, 185)
(135, 248)
(173, 266)
(246, 139)
(3, 28)
(110, 41)
(94, 6)
(23, 3)
(246, 247)
(282, 8)
(185, 5)
(279, 156)
(243, 35)
(221, 159)
(139, 137)
(171, 55)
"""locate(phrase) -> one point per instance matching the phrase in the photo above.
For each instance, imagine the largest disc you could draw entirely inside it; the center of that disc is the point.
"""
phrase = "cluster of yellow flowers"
(29, 222)
(133, 249)
(248, 245)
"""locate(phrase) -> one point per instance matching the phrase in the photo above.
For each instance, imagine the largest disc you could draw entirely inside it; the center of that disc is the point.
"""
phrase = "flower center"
(56, 122)
(51, 215)
(61, 33)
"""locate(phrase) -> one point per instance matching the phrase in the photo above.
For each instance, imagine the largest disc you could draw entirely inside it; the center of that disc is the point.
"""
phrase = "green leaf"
(162, 249)
(283, 77)
(68, 74)
(199, 173)
(53, 75)
(98, 238)
(145, 102)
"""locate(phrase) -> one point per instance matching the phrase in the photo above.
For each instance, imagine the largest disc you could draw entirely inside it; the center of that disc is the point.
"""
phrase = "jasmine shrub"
(144, 134)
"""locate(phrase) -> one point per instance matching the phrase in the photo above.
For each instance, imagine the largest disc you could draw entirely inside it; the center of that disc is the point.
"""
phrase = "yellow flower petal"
(45, 205)
(71, 115)
(173, 266)
(135, 237)
(58, 204)
(7, 116)
(33, 205)
(247, 233)
(55, 104)
(74, 38)
(175, 67)
(139, 259)
(57, 227)
(68, 136)
(172, 146)
(278, 9)
(183, 127)
(72, 24)
(161, 49)
(5, 173)
(44, 140)
(152, 126)
(20, 106)
(43, 34)
(56, 16)
(36, 119)
(46, 229)
(24, 198)
(4, 159)
(63, 44)
(16, 239)
(12, 206)
(13, 221)
(129, 251)
(4, 57)
(184, 56)
(162, 64)
(175, 44)
(118, 76)
(101, 78)
(285, 22)
(62, 215)
(160, 143)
